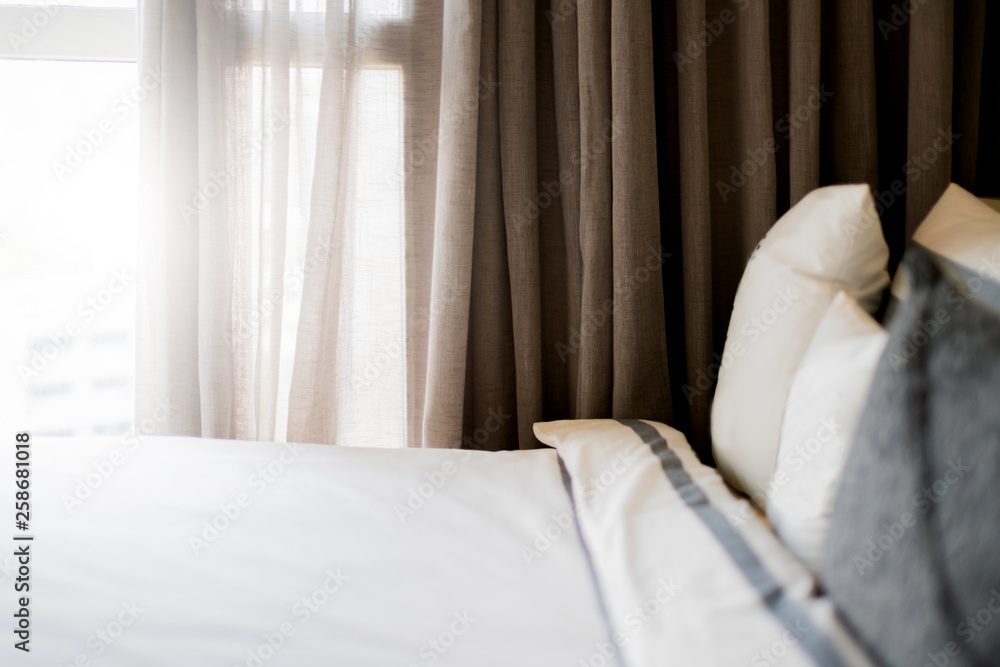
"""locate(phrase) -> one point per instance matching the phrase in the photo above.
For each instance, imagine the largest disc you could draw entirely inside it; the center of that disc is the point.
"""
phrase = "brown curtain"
(566, 307)
(758, 102)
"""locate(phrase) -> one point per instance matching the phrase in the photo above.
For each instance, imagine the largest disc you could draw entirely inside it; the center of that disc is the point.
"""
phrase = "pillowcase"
(961, 228)
(687, 574)
(824, 404)
(830, 241)
(911, 555)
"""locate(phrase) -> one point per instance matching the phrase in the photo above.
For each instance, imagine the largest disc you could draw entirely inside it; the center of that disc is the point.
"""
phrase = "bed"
(613, 545)
(182, 551)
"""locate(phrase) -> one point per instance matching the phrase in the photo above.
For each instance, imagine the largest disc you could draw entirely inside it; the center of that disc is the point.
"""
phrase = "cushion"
(830, 241)
(961, 228)
(686, 572)
(824, 404)
(911, 556)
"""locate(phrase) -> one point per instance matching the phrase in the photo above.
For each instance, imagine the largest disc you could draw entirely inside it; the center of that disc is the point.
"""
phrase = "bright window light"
(69, 163)
(55, 4)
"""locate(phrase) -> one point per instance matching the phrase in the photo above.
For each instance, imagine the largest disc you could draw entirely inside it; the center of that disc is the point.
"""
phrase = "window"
(68, 162)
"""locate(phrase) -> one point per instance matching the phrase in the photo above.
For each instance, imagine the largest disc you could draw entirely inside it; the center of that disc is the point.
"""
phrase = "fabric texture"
(383, 223)
(687, 569)
(759, 103)
(825, 401)
(911, 552)
(828, 242)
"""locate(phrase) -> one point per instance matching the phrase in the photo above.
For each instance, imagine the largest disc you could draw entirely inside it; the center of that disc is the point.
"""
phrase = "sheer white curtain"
(388, 222)
(280, 294)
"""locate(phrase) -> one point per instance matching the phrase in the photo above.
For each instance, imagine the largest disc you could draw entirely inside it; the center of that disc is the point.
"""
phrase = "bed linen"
(338, 557)
(688, 573)
(183, 551)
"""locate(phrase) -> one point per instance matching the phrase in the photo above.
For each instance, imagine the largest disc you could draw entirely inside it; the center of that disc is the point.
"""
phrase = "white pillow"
(687, 574)
(825, 401)
(830, 241)
(962, 228)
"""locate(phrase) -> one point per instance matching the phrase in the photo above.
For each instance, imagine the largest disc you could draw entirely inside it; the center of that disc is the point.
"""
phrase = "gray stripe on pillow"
(815, 643)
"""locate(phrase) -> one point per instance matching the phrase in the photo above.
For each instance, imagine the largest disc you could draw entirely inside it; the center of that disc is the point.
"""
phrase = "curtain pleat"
(970, 21)
(849, 145)
(929, 123)
(167, 303)
(311, 418)
(987, 165)
(804, 41)
(594, 394)
(892, 95)
(518, 140)
(451, 261)
(640, 378)
(558, 306)
(695, 211)
(565, 212)
(490, 368)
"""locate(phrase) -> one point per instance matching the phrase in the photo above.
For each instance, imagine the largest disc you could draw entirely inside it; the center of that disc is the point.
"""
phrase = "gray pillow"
(913, 552)
(979, 283)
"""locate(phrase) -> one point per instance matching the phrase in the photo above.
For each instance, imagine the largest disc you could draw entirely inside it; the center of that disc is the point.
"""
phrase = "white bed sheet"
(118, 581)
